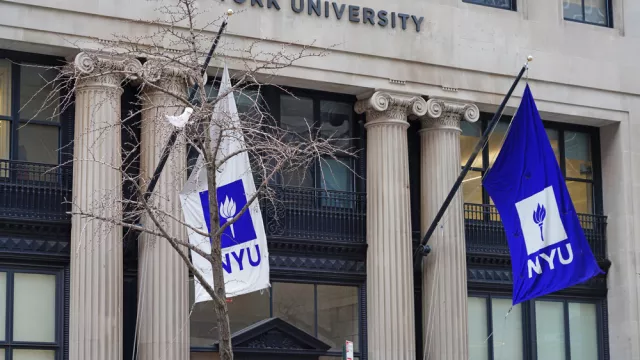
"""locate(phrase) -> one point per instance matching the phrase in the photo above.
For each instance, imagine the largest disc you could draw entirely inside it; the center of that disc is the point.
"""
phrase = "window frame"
(608, 16)
(513, 5)
(16, 61)
(272, 96)
(360, 305)
(60, 318)
(529, 334)
(561, 128)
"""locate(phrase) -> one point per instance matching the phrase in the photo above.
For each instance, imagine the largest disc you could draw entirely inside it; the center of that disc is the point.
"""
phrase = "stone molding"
(445, 114)
(102, 70)
(162, 74)
(388, 107)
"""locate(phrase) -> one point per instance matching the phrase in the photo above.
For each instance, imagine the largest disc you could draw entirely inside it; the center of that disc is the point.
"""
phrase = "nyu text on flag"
(245, 258)
(549, 251)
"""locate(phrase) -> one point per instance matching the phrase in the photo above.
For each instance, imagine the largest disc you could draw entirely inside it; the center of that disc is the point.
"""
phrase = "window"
(574, 150)
(502, 4)
(328, 312)
(30, 308)
(552, 329)
(597, 12)
(29, 119)
(300, 115)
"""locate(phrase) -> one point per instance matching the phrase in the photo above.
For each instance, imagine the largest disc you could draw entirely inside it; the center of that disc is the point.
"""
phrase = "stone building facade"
(410, 84)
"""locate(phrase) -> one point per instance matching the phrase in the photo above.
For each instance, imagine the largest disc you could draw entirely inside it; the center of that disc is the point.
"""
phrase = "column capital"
(104, 70)
(167, 76)
(444, 114)
(384, 106)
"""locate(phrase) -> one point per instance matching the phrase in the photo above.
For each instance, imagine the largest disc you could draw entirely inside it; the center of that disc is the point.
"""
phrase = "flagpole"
(425, 249)
(174, 134)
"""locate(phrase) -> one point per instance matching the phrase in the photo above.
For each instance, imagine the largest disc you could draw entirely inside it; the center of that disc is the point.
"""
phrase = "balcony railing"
(485, 234)
(34, 191)
(314, 214)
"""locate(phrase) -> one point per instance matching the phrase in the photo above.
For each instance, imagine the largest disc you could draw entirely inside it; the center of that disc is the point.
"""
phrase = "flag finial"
(529, 58)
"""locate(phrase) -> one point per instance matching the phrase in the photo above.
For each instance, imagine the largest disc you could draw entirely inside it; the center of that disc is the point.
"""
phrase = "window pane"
(553, 139)
(296, 116)
(39, 97)
(550, 330)
(583, 331)
(338, 315)
(478, 326)
(5, 139)
(577, 152)
(336, 174)
(34, 354)
(573, 10)
(505, 4)
(244, 310)
(472, 187)
(471, 133)
(38, 143)
(595, 11)
(5, 88)
(335, 122)
(507, 332)
(34, 308)
(294, 303)
(496, 139)
(582, 196)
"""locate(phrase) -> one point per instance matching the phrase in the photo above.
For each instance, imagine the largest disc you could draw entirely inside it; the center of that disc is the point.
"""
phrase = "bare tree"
(177, 46)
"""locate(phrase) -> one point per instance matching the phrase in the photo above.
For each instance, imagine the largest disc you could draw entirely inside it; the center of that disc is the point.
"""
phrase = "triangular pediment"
(278, 335)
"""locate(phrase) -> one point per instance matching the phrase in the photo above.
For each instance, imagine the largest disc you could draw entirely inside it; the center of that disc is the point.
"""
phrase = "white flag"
(245, 257)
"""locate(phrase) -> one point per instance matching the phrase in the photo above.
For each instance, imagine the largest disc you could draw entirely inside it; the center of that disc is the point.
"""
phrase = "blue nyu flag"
(549, 251)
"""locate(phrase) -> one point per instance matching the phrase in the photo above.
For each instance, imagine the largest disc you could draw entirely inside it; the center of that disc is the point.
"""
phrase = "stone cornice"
(102, 70)
(389, 107)
(445, 114)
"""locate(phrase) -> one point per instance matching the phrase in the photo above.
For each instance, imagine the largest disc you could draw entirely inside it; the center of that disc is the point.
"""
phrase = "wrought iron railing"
(485, 234)
(315, 214)
(34, 191)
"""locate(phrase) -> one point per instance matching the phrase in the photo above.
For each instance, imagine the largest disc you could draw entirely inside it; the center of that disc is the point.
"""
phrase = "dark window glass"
(578, 164)
(330, 313)
(503, 4)
(303, 117)
(244, 310)
(39, 96)
(38, 143)
(587, 11)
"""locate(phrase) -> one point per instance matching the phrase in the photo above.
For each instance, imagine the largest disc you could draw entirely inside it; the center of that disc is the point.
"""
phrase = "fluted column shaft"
(444, 290)
(390, 305)
(163, 298)
(95, 328)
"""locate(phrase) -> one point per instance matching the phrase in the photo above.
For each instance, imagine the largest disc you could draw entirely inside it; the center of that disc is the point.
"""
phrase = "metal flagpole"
(174, 134)
(425, 249)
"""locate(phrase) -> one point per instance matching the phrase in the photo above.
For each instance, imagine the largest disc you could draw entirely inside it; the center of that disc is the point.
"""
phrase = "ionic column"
(163, 297)
(390, 305)
(444, 289)
(95, 324)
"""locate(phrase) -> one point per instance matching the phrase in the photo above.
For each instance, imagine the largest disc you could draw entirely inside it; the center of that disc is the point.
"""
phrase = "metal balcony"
(315, 214)
(31, 191)
(485, 234)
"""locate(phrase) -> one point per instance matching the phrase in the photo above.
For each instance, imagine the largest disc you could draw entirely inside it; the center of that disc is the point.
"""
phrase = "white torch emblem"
(228, 211)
